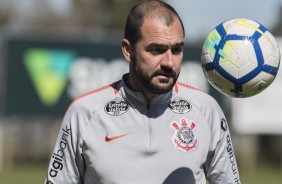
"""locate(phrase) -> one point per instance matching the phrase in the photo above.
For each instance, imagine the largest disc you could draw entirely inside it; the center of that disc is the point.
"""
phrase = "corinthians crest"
(184, 137)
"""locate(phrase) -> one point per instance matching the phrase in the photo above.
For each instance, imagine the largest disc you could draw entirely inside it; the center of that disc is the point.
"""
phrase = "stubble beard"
(147, 80)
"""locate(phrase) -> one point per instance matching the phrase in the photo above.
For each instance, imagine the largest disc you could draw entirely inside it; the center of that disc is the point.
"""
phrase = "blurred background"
(54, 50)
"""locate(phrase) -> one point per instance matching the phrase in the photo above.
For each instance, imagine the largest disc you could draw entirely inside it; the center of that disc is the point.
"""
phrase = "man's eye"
(157, 51)
(176, 50)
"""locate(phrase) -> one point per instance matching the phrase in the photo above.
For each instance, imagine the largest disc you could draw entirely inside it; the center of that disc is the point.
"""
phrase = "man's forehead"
(162, 42)
(162, 39)
(155, 27)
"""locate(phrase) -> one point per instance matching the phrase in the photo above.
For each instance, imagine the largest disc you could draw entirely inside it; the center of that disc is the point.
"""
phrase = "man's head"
(153, 46)
(144, 9)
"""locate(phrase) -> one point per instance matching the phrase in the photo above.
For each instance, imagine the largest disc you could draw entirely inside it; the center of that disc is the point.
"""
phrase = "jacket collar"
(129, 94)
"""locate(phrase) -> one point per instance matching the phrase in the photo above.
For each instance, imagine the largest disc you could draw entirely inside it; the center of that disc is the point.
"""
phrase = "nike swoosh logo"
(109, 139)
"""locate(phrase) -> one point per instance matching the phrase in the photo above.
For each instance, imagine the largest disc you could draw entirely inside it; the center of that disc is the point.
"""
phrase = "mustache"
(165, 71)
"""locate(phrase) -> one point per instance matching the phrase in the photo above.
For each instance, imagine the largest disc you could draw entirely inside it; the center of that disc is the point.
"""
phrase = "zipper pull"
(148, 104)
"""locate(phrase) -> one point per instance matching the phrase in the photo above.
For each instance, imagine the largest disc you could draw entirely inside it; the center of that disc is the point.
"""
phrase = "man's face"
(157, 57)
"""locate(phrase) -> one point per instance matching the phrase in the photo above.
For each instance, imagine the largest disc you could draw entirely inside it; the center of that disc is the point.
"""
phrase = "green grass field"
(23, 175)
(35, 175)
(262, 175)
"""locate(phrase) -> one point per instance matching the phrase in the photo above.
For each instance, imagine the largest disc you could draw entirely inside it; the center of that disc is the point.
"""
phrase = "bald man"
(147, 128)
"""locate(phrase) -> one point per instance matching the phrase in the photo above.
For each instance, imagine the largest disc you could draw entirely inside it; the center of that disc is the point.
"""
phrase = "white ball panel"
(237, 26)
(206, 58)
(247, 68)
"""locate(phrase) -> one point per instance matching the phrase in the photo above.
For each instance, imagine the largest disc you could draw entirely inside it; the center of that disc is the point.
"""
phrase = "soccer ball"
(240, 58)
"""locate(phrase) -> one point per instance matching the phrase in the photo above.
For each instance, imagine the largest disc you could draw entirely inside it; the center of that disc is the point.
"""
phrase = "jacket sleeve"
(67, 163)
(221, 166)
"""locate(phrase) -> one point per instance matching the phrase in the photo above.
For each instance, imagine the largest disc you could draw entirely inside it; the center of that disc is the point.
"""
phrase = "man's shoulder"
(193, 93)
(96, 97)
(82, 108)
(184, 87)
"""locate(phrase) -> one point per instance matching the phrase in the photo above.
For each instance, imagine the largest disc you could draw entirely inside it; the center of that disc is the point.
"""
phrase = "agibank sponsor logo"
(232, 160)
(58, 155)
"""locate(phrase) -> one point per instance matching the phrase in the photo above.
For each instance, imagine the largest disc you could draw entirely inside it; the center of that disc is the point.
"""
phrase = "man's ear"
(126, 49)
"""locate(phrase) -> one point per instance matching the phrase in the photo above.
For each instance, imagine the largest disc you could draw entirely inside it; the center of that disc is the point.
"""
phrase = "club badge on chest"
(184, 138)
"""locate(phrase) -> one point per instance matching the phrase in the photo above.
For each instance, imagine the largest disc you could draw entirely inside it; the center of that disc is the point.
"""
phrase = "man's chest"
(139, 144)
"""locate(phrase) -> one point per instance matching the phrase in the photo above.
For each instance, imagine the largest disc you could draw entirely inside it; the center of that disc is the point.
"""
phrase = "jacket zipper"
(150, 125)
(148, 104)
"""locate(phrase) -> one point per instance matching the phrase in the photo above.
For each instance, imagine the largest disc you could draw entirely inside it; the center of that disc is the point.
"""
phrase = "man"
(146, 128)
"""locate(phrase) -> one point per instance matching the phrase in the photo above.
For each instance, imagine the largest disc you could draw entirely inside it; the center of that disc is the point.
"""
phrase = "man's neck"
(136, 86)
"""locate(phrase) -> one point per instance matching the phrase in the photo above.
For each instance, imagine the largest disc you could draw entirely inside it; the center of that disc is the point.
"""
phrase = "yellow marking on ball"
(246, 24)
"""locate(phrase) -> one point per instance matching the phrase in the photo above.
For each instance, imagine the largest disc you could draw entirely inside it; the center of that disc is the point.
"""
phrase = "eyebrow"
(181, 44)
(164, 46)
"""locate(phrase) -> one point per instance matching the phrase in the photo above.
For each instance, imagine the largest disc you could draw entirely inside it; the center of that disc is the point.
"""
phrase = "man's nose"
(167, 60)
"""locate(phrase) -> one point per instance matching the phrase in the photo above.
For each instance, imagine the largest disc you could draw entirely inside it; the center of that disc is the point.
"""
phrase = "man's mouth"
(164, 74)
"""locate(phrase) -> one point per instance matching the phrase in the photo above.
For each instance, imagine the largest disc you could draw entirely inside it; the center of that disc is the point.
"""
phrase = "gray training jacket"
(112, 135)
